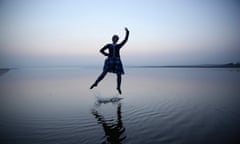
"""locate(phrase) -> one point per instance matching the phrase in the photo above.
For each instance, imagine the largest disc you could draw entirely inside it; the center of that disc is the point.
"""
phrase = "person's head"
(115, 38)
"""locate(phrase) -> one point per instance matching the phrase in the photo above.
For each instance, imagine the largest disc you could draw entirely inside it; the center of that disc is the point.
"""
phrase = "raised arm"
(126, 37)
(102, 50)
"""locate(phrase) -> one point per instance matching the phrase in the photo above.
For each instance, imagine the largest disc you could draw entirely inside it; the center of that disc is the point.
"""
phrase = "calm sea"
(159, 106)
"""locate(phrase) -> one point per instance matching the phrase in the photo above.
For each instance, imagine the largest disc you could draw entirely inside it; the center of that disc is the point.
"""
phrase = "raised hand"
(126, 29)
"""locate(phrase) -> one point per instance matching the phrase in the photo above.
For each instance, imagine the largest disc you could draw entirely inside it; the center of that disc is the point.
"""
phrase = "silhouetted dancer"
(113, 62)
(113, 128)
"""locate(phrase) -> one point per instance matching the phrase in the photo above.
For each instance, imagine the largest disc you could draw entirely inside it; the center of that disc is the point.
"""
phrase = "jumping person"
(113, 62)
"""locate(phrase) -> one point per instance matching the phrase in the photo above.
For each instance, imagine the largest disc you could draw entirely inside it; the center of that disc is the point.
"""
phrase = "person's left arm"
(126, 37)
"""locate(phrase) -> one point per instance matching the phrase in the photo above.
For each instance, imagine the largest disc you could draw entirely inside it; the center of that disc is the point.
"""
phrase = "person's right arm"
(102, 50)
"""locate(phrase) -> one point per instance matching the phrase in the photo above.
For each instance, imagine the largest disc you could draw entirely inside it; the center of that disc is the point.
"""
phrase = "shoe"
(119, 90)
(94, 85)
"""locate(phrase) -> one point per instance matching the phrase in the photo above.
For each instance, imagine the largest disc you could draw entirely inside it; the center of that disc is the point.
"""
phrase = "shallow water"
(159, 105)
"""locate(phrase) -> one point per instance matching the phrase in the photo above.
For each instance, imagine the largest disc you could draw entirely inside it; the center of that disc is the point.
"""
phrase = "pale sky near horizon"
(162, 32)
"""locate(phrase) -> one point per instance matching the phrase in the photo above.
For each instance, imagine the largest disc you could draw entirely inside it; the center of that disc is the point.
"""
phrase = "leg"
(119, 79)
(102, 75)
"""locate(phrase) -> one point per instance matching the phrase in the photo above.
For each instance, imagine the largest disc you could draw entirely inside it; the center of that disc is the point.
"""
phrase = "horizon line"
(233, 65)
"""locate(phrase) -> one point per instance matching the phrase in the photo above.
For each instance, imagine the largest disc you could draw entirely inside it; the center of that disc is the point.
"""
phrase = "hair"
(115, 38)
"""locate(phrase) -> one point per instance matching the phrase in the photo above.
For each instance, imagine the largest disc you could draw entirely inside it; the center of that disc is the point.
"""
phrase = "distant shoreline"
(192, 66)
(3, 70)
(229, 65)
(180, 67)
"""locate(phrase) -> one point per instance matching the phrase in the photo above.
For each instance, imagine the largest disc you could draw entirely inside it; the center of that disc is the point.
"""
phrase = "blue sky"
(162, 32)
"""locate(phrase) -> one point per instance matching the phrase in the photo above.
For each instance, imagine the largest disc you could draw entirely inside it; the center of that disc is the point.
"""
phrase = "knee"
(104, 73)
(119, 76)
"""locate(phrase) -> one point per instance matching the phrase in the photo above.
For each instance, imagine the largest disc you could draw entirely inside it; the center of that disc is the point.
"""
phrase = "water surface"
(160, 105)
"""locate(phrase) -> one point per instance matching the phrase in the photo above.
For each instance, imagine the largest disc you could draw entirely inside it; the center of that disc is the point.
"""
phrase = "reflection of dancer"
(113, 131)
(113, 62)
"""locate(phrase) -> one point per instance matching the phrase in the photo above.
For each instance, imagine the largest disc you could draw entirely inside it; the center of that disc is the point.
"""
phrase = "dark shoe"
(94, 85)
(119, 90)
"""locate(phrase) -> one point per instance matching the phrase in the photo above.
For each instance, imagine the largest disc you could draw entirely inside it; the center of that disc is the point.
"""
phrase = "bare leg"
(119, 79)
(102, 75)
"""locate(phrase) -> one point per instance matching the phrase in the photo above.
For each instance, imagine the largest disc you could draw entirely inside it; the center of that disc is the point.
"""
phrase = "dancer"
(113, 62)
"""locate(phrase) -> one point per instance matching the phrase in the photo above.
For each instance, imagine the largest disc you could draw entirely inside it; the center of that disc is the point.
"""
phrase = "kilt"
(114, 65)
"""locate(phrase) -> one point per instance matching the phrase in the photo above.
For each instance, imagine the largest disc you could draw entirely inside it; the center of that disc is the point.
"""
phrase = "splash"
(103, 100)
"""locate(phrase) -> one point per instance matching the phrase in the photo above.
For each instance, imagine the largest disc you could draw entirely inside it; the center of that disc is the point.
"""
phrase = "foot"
(94, 85)
(119, 90)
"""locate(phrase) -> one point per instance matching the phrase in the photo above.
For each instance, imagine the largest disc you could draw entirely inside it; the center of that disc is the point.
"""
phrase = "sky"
(162, 32)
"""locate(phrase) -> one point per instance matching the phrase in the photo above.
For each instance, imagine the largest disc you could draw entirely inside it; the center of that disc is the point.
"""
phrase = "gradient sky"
(162, 32)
